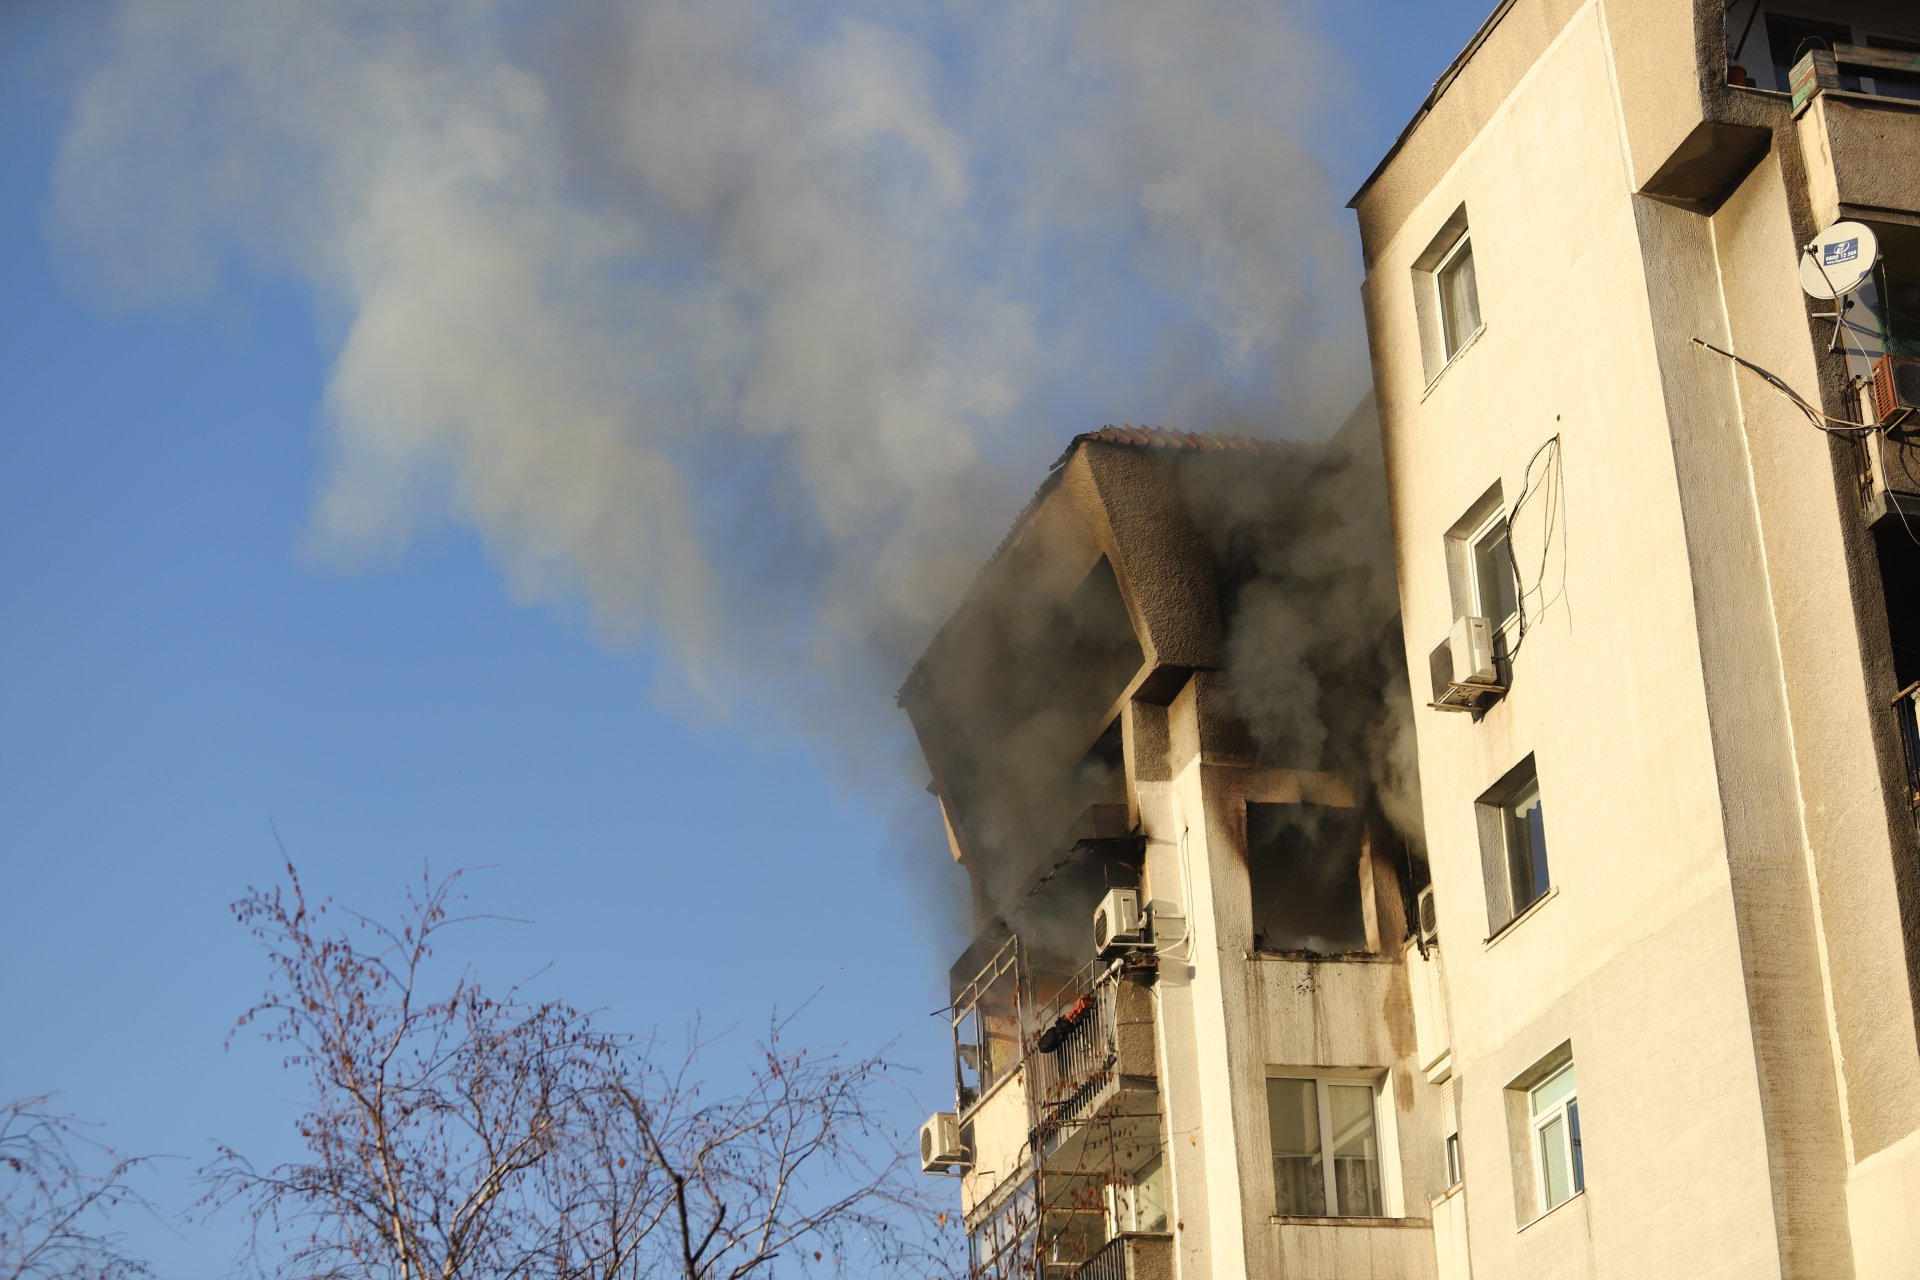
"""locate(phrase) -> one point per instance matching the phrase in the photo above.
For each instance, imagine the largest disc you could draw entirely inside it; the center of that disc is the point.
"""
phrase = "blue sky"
(192, 662)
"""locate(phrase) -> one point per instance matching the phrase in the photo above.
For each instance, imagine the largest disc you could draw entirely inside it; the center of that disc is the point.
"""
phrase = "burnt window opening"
(1304, 871)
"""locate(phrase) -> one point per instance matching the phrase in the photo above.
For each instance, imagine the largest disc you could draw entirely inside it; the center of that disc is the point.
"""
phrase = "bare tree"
(53, 1206)
(721, 1188)
(455, 1135)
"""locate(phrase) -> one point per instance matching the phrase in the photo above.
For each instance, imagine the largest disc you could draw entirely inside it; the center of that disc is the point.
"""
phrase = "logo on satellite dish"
(1833, 255)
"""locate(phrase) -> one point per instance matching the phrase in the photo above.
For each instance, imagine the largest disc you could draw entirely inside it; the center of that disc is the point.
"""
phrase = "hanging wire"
(1528, 488)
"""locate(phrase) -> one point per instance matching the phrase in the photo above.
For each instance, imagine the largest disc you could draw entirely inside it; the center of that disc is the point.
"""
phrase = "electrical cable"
(1527, 490)
(1818, 417)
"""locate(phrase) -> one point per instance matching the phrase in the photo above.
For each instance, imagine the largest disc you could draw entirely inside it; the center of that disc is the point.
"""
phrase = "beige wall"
(1699, 685)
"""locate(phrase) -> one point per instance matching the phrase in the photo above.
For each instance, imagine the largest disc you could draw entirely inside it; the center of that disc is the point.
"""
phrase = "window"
(1490, 568)
(1525, 834)
(1513, 844)
(1454, 1172)
(1446, 294)
(1141, 1204)
(1557, 1167)
(1459, 296)
(1326, 1148)
(1303, 872)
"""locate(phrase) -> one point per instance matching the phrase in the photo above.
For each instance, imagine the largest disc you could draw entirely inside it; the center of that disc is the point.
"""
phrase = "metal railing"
(1906, 707)
(1075, 1050)
(1109, 1263)
(1146, 1252)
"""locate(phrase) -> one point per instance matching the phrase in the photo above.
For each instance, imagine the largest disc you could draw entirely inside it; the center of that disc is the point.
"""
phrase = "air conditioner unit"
(1896, 389)
(941, 1150)
(1471, 644)
(1429, 921)
(1117, 922)
(1463, 668)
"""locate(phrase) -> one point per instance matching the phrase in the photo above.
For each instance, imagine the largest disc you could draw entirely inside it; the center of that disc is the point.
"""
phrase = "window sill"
(1318, 957)
(1532, 1222)
(1553, 891)
(1453, 359)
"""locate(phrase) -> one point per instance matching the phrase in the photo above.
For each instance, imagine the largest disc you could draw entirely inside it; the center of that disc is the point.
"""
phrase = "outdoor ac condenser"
(1117, 922)
(940, 1147)
(1896, 389)
(1429, 920)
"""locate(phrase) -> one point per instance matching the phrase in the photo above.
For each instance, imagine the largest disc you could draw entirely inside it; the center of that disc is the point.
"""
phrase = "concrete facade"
(1707, 679)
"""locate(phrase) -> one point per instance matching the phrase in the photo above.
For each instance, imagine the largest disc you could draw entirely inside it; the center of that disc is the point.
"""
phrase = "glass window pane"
(1547, 1095)
(1150, 1196)
(1459, 298)
(1537, 846)
(1356, 1153)
(1293, 1118)
(1553, 1161)
(1526, 836)
(1573, 1131)
(1493, 575)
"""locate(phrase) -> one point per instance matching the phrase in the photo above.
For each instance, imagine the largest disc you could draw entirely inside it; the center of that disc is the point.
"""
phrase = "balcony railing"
(1906, 707)
(1133, 1256)
(1080, 1050)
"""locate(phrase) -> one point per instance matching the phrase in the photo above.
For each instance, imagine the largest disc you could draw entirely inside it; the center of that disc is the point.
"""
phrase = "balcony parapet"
(1136, 1255)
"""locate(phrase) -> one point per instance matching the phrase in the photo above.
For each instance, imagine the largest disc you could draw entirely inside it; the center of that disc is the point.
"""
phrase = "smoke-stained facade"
(1167, 732)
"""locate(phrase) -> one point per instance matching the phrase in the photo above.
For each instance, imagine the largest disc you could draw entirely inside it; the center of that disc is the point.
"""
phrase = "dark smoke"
(1314, 651)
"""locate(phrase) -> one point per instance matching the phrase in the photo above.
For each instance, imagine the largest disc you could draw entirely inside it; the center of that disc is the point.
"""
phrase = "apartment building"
(1657, 531)
(1632, 993)
(1189, 1037)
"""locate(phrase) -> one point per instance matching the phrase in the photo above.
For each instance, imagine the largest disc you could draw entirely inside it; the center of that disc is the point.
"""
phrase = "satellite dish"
(1839, 260)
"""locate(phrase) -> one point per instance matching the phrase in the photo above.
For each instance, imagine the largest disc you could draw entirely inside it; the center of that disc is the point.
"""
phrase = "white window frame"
(1477, 589)
(1565, 1110)
(1451, 344)
(1322, 1096)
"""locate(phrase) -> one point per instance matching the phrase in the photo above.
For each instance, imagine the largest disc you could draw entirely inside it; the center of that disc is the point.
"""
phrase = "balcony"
(1093, 1054)
(1133, 1256)
(1862, 148)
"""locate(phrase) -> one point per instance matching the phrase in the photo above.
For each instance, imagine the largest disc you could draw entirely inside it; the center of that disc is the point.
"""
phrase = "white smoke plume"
(745, 322)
